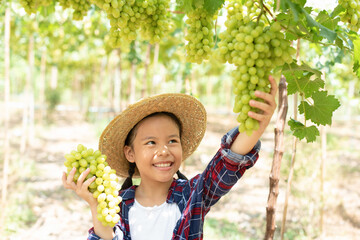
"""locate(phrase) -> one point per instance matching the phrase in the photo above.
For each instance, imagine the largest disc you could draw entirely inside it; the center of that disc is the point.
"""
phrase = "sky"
(322, 4)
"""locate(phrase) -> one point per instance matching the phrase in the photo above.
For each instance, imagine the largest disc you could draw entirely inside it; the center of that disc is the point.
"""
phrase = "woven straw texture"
(187, 109)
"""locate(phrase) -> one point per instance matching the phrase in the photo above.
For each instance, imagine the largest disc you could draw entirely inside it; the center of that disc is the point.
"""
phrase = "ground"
(60, 214)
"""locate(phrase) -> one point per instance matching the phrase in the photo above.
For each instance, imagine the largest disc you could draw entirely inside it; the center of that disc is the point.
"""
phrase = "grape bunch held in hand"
(105, 188)
(255, 46)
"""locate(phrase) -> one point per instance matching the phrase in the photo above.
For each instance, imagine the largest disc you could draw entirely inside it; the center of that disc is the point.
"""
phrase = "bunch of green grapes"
(64, 3)
(81, 7)
(255, 48)
(199, 36)
(156, 22)
(129, 16)
(105, 188)
(31, 6)
(352, 13)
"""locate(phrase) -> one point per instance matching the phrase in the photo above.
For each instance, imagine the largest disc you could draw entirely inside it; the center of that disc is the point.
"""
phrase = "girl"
(149, 140)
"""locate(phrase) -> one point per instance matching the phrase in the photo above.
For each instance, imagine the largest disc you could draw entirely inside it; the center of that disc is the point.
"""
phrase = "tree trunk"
(132, 85)
(293, 157)
(278, 153)
(117, 83)
(111, 84)
(322, 175)
(291, 173)
(28, 97)
(6, 117)
(42, 103)
(54, 77)
(144, 88)
(155, 67)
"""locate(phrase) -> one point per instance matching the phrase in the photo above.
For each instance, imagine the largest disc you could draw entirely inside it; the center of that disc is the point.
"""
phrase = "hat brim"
(190, 112)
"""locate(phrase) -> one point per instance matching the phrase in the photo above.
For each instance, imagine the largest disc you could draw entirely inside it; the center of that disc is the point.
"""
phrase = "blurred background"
(67, 83)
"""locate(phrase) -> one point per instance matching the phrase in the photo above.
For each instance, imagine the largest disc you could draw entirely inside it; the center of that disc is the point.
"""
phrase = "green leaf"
(301, 132)
(303, 67)
(304, 85)
(185, 5)
(324, 31)
(320, 112)
(198, 3)
(211, 6)
(339, 9)
(324, 19)
(357, 50)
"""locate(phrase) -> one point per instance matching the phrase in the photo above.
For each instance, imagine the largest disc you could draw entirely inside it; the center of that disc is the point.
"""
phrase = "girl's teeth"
(163, 165)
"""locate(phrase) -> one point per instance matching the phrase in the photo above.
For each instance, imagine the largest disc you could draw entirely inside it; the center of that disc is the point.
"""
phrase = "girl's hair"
(130, 139)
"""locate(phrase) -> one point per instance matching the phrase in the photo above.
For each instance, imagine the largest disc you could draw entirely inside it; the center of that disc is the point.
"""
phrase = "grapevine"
(156, 22)
(105, 188)
(31, 6)
(352, 13)
(129, 16)
(199, 35)
(81, 7)
(255, 47)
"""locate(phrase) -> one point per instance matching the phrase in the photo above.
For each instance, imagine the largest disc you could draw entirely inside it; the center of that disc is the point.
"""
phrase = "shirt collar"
(128, 195)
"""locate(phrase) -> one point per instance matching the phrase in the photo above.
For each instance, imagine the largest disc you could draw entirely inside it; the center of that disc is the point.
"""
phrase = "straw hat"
(190, 112)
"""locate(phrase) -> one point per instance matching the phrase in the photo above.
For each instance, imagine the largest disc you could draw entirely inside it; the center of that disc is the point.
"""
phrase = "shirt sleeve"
(118, 234)
(225, 169)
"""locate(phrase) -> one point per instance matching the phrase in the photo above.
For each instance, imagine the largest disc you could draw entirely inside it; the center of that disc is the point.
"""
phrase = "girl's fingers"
(67, 185)
(274, 86)
(88, 182)
(266, 108)
(70, 177)
(266, 97)
(256, 116)
(82, 177)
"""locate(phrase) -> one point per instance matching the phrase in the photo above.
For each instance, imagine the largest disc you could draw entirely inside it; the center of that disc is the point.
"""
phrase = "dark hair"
(130, 139)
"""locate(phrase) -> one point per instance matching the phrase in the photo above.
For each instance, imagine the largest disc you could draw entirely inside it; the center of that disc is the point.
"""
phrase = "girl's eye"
(173, 141)
(150, 143)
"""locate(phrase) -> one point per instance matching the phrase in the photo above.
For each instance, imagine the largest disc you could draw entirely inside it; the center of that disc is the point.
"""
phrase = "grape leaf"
(185, 5)
(211, 6)
(303, 67)
(338, 9)
(328, 22)
(324, 31)
(320, 112)
(304, 85)
(300, 131)
(198, 3)
(356, 66)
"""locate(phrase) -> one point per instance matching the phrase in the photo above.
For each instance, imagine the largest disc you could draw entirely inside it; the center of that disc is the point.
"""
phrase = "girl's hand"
(267, 107)
(81, 186)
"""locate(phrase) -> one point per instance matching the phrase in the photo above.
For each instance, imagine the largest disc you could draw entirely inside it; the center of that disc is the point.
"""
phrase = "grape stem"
(263, 10)
(176, 12)
(215, 32)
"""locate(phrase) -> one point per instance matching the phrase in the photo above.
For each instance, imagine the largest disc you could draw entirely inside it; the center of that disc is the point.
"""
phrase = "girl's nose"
(163, 150)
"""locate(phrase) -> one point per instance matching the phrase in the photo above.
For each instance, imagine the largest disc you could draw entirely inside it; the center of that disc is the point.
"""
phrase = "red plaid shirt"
(194, 197)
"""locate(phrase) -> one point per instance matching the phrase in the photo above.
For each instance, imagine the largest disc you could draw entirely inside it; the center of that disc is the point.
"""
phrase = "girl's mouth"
(163, 165)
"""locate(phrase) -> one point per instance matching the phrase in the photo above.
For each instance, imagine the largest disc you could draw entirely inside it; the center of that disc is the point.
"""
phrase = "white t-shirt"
(153, 223)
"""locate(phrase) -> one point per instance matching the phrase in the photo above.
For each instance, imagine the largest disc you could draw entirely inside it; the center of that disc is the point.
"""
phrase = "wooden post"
(322, 174)
(28, 94)
(155, 67)
(6, 117)
(291, 173)
(293, 156)
(144, 88)
(278, 153)
(42, 85)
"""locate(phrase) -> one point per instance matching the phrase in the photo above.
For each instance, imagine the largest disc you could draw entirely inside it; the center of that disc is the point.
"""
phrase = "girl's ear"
(129, 154)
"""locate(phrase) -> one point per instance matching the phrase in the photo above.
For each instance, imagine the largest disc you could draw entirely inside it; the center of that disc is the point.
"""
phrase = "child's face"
(156, 149)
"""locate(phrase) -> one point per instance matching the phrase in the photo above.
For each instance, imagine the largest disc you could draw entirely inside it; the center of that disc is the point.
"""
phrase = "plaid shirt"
(194, 197)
